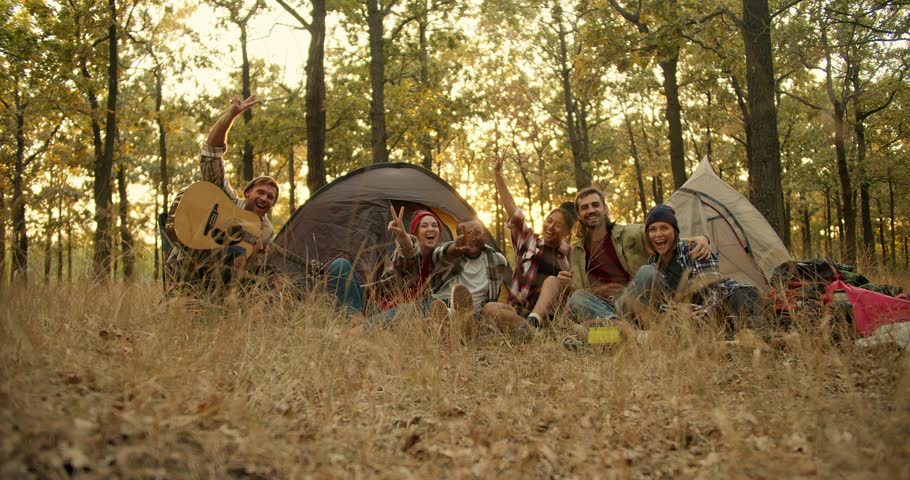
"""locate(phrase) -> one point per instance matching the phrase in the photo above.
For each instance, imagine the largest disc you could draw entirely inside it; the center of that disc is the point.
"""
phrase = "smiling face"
(427, 233)
(555, 229)
(661, 237)
(591, 210)
(260, 198)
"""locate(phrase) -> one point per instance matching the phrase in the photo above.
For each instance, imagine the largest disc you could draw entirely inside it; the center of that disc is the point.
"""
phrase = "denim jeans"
(647, 283)
(342, 282)
(647, 286)
(586, 305)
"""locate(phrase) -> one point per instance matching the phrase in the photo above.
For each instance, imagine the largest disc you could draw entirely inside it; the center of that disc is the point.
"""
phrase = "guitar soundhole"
(223, 238)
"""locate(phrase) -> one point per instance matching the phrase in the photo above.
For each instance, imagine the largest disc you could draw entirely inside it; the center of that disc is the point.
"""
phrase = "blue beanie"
(662, 213)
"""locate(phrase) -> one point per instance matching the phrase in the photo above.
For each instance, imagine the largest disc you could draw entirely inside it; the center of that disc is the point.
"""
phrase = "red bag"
(870, 309)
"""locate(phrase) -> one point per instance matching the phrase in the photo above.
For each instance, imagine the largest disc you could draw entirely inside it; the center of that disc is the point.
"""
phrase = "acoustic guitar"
(203, 217)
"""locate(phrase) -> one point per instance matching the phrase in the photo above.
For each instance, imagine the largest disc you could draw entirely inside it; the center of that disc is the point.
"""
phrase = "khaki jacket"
(629, 242)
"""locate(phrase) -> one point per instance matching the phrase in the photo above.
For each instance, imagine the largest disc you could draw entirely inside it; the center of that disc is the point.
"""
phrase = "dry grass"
(114, 383)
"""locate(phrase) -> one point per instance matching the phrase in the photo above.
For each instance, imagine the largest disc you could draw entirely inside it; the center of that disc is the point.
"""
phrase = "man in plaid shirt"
(187, 267)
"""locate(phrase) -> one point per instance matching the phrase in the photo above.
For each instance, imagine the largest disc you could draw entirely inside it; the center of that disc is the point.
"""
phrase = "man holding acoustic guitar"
(218, 237)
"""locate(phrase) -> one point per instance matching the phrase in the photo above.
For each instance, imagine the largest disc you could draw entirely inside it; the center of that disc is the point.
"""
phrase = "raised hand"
(396, 226)
(497, 166)
(239, 106)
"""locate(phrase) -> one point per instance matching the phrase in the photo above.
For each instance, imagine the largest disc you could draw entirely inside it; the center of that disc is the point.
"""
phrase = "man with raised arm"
(211, 268)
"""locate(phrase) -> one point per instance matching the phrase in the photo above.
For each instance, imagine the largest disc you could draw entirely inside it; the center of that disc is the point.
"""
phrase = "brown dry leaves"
(106, 383)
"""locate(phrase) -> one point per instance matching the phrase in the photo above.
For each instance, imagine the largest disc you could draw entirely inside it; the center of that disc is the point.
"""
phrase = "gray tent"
(747, 247)
(348, 217)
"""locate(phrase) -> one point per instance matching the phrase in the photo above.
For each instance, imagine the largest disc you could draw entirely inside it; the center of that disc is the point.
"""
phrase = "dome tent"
(349, 217)
(746, 245)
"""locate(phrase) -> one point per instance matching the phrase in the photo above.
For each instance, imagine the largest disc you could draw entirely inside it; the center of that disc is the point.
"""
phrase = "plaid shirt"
(708, 287)
(528, 250)
(445, 268)
(187, 265)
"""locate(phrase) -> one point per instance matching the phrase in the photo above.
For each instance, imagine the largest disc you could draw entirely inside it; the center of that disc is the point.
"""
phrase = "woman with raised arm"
(541, 271)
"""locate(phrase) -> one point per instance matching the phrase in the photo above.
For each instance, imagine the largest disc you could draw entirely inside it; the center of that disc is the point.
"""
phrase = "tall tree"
(30, 115)
(315, 92)
(764, 144)
(667, 52)
(241, 17)
(376, 14)
(104, 163)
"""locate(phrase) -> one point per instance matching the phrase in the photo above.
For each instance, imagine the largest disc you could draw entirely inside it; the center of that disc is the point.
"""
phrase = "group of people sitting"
(610, 270)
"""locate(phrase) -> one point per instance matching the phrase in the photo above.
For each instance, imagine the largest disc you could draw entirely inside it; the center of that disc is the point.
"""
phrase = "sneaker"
(463, 306)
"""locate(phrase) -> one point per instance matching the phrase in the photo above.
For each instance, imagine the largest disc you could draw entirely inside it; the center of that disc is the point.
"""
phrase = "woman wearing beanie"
(542, 262)
(671, 273)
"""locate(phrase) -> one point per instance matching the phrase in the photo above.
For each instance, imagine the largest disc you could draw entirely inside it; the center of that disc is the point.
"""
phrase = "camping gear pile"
(808, 287)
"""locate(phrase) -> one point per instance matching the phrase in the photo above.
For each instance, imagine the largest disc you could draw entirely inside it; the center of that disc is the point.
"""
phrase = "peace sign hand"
(396, 226)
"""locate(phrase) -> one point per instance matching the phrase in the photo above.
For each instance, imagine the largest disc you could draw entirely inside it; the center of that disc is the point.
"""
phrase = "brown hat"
(263, 179)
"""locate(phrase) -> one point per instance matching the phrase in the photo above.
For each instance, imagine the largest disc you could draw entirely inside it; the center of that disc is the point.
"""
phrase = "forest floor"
(116, 382)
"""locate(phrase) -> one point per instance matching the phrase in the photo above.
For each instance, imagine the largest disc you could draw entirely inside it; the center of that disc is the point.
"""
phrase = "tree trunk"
(2, 238)
(20, 230)
(891, 225)
(764, 160)
(807, 231)
(841, 234)
(378, 133)
(315, 100)
(48, 246)
(881, 238)
(829, 251)
(709, 144)
(582, 177)
(788, 214)
(101, 262)
(69, 252)
(126, 236)
(637, 163)
(657, 189)
(846, 189)
(248, 170)
(162, 142)
(292, 181)
(60, 241)
(673, 115)
(859, 130)
(426, 141)
(159, 250)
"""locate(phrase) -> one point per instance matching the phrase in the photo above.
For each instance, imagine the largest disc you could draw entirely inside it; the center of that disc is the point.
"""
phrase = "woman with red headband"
(404, 278)
(411, 263)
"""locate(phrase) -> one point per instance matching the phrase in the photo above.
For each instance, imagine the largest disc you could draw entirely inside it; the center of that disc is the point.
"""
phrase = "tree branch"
(289, 9)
